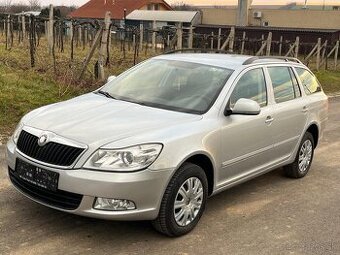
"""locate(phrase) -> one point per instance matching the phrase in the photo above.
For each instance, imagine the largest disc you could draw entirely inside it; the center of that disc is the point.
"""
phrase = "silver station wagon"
(155, 142)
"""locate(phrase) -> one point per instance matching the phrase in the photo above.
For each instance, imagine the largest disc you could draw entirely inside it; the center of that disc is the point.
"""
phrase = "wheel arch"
(314, 129)
(206, 162)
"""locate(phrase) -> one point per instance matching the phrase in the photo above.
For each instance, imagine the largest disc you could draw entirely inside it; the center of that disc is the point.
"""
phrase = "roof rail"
(287, 59)
(197, 50)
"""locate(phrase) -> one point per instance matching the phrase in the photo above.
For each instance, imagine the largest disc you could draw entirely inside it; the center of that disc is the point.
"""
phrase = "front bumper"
(145, 188)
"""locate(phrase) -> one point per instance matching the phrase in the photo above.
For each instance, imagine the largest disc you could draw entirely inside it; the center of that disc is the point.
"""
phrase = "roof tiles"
(96, 9)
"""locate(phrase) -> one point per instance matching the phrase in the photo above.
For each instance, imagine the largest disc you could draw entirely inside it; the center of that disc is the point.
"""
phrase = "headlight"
(126, 159)
(17, 132)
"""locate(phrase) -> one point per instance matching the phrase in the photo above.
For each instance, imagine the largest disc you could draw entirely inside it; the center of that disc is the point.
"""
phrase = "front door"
(246, 141)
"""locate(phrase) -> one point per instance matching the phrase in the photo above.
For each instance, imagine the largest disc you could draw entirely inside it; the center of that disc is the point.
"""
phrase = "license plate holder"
(38, 176)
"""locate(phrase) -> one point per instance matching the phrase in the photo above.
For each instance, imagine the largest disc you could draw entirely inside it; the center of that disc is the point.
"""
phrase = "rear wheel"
(303, 161)
(183, 201)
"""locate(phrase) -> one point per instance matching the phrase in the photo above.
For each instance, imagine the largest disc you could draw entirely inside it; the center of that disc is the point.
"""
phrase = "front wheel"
(303, 161)
(183, 201)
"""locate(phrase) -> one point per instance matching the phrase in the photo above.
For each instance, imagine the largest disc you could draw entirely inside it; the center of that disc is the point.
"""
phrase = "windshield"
(173, 85)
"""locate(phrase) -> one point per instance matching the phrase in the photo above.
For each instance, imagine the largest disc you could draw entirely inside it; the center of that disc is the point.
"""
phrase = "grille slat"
(61, 199)
(51, 153)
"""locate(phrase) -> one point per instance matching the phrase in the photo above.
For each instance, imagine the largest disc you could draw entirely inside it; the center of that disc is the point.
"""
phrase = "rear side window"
(295, 83)
(251, 85)
(309, 82)
(284, 89)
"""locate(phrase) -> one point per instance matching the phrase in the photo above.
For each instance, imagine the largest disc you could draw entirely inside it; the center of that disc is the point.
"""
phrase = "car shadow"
(49, 222)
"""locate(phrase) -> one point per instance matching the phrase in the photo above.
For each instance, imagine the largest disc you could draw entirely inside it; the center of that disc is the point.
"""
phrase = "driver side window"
(252, 85)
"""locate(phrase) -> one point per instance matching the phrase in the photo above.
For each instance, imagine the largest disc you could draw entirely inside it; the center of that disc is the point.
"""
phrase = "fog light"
(111, 204)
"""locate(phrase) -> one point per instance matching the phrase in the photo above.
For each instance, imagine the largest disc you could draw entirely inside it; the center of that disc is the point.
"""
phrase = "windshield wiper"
(107, 94)
(136, 102)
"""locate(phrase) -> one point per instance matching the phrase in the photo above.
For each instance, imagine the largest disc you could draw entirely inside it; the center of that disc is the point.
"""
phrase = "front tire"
(303, 161)
(183, 202)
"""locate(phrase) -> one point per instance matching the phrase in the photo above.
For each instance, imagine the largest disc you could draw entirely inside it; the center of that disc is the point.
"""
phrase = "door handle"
(305, 109)
(269, 119)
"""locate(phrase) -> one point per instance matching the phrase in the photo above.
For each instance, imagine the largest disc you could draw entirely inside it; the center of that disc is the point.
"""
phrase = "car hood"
(96, 120)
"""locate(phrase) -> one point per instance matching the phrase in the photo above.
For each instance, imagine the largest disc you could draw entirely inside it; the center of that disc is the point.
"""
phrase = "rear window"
(284, 89)
(309, 82)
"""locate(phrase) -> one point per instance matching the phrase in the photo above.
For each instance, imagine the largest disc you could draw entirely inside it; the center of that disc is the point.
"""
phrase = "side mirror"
(111, 78)
(246, 107)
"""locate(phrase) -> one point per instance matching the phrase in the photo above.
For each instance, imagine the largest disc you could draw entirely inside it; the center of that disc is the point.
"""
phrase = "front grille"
(51, 153)
(60, 199)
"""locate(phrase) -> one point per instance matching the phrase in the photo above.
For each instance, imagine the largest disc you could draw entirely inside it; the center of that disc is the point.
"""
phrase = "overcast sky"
(197, 2)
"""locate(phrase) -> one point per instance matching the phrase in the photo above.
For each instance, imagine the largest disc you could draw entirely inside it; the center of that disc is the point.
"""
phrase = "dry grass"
(23, 88)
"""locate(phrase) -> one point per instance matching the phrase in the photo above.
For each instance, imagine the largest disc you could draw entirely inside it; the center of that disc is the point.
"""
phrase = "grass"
(330, 81)
(22, 91)
(23, 88)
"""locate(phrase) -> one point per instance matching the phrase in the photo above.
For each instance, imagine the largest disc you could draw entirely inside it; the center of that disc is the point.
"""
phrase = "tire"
(294, 170)
(166, 223)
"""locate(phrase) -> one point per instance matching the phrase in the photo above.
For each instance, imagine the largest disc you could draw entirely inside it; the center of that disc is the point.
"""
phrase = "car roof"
(230, 61)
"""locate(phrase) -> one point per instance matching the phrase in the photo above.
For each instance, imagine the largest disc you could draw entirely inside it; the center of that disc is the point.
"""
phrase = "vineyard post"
(269, 44)
(46, 28)
(219, 38)
(123, 35)
(191, 38)
(318, 54)
(19, 29)
(212, 41)
(336, 54)
(297, 47)
(80, 35)
(323, 53)
(141, 35)
(23, 29)
(85, 37)
(280, 45)
(154, 36)
(243, 42)
(31, 40)
(232, 38)
(135, 47)
(61, 34)
(12, 31)
(179, 35)
(72, 39)
(103, 48)
(133, 40)
(51, 31)
(8, 33)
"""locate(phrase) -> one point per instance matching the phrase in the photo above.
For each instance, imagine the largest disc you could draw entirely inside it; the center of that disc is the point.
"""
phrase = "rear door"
(290, 112)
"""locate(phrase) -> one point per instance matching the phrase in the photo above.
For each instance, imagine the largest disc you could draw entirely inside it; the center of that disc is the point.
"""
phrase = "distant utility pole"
(306, 4)
(242, 12)
(323, 6)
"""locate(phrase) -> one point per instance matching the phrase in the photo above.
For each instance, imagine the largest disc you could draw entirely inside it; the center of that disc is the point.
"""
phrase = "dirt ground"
(268, 215)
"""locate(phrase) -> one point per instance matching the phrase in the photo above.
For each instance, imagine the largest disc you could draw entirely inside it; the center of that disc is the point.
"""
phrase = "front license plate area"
(36, 175)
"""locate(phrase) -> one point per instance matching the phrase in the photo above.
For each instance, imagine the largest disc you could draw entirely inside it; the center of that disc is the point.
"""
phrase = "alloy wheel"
(305, 155)
(188, 201)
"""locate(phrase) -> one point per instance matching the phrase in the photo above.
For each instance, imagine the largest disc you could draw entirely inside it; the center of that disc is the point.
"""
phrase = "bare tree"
(182, 6)
(5, 6)
(19, 7)
(35, 5)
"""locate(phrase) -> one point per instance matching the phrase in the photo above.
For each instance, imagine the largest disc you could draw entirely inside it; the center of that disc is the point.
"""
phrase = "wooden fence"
(99, 35)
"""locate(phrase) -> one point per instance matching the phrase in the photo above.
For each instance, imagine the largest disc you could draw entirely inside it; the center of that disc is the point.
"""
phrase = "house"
(29, 13)
(96, 9)
(312, 19)
(164, 18)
